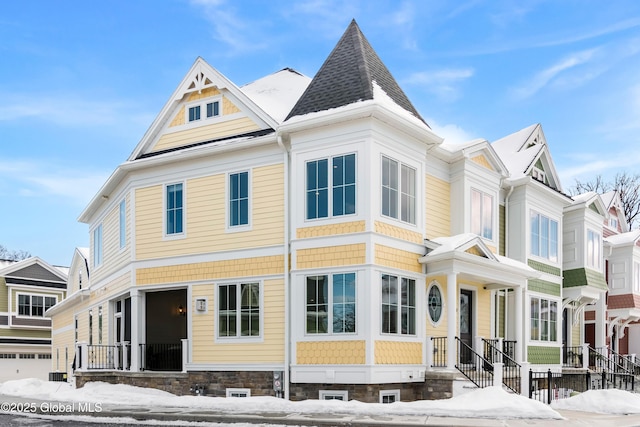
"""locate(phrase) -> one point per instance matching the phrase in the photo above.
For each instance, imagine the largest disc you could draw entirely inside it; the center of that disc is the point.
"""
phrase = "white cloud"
(443, 83)
(452, 133)
(544, 77)
(40, 179)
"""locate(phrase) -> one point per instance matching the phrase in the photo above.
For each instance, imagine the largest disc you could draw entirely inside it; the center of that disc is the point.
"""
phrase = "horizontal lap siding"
(438, 207)
(113, 257)
(205, 214)
(269, 350)
(205, 133)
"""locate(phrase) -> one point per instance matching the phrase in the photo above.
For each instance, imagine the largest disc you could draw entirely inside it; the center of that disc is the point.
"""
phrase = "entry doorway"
(466, 324)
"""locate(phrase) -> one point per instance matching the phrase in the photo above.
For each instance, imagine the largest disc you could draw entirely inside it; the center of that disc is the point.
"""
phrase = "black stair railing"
(473, 366)
(439, 345)
(510, 368)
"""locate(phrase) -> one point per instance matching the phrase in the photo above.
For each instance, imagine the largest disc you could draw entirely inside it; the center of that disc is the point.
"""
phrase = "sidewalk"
(572, 418)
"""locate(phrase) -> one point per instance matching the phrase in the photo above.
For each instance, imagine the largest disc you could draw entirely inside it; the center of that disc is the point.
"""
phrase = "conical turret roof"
(347, 76)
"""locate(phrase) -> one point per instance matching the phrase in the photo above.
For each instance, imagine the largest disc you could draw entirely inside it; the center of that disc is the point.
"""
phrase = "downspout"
(287, 296)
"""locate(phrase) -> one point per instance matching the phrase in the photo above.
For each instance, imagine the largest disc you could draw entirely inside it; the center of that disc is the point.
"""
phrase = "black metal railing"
(101, 356)
(626, 362)
(549, 386)
(473, 366)
(572, 357)
(599, 361)
(509, 348)
(161, 357)
(511, 377)
(439, 345)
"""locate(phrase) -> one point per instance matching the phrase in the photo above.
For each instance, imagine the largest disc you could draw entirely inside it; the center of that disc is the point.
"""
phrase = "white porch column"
(601, 322)
(452, 321)
(136, 327)
(497, 374)
(519, 317)
(585, 356)
(185, 354)
(428, 346)
(524, 378)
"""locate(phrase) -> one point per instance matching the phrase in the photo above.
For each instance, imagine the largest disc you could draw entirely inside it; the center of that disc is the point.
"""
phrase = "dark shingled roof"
(347, 76)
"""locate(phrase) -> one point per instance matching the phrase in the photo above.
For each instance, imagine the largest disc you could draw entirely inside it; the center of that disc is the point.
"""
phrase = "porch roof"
(469, 257)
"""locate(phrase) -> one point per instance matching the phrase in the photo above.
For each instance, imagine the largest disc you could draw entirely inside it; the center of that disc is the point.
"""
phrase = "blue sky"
(80, 82)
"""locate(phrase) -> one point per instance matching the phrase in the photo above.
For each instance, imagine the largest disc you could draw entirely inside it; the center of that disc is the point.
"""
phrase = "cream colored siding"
(205, 216)
(438, 207)
(575, 331)
(269, 350)
(61, 342)
(205, 133)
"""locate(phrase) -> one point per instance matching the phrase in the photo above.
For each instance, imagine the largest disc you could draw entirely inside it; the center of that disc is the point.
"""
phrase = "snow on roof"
(623, 238)
(277, 93)
(607, 198)
(584, 197)
(381, 97)
(509, 149)
(452, 147)
(451, 243)
(84, 252)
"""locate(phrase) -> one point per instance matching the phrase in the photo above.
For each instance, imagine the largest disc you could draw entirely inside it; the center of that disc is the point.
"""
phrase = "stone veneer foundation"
(437, 385)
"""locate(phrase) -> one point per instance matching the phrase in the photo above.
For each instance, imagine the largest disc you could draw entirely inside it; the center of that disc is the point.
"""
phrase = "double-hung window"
(544, 319)
(238, 199)
(544, 236)
(482, 214)
(593, 249)
(398, 190)
(194, 113)
(398, 305)
(239, 310)
(97, 246)
(34, 305)
(331, 304)
(213, 109)
(174, 209)
(331, 193)
(209, 109)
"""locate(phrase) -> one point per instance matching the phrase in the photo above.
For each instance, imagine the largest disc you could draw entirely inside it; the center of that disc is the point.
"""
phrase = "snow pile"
(491, 402)
(615, 402)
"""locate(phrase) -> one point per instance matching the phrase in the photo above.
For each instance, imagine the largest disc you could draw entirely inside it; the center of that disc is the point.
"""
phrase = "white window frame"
(479, 212)
(399, 306)
(183, 233)
(202, 103)
(435, 284)
(331, 186)
(400, 192)
(386, 393)
(540, 216)
(330, 304)
(594, 249)
(324, 394)
(248, 225)
(636, 276)
(558, 319)
(239, 338)
(98, 246)
(31, 295)
(238, 392)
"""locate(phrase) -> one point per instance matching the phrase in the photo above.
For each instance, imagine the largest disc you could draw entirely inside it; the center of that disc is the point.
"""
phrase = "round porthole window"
(435, 303)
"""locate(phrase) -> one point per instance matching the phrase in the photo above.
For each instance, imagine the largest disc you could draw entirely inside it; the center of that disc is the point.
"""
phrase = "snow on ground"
(491, 402)
(615, 402)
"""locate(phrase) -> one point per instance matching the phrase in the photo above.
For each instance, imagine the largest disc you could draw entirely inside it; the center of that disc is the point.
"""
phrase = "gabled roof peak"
(348, 75)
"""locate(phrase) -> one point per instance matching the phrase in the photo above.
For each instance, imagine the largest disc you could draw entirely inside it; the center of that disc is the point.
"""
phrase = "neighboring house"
(28, 288)
(314, 238)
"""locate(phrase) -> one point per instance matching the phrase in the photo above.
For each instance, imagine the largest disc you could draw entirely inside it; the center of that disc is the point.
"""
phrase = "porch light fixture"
(181, 310)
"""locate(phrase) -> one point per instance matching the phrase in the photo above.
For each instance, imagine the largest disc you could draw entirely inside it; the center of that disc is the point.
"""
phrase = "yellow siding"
(179, 118)
(83, 326)
(244, 267)
(396, 258)
(4, 295)
(113, 257)
(115, 286)
(482, 161)
(331, 256)
(62, 319)
(575, 332)
(438, 207)
(219, 129)
(398, 232)
(331, 230)
(398, 353)
(483, 315)
(206, 219)
(202, 94)
(331, 353)
(26, 333)
(270, 350)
